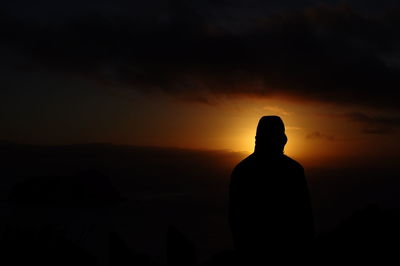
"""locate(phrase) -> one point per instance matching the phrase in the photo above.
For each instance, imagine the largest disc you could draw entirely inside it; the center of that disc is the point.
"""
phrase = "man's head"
(270, 136)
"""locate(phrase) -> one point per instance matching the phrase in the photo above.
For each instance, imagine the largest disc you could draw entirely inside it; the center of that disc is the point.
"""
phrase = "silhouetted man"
(269, 209)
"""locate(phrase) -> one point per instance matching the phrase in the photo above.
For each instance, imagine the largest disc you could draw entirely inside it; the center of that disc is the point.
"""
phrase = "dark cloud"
(324, 53)
(319, 135)
(375, 124)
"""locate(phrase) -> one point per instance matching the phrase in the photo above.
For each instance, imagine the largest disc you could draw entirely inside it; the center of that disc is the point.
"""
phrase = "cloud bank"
(375, 124)
(324, 53)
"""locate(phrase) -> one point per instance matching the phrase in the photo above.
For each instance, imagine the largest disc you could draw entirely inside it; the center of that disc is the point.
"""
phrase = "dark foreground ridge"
(71, 218)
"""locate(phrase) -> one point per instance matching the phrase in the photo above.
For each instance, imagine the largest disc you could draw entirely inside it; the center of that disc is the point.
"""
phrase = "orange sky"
(317, 132)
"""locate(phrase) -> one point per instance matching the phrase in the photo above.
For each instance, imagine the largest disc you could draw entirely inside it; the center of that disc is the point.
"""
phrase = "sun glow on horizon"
(316, 131)
(294, 147)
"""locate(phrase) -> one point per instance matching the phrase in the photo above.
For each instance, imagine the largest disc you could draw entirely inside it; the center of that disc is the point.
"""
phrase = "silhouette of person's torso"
(270, 210)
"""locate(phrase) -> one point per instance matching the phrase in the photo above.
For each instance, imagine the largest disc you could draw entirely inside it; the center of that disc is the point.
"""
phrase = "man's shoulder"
(293, 163)
(251, 161)
(246, 162)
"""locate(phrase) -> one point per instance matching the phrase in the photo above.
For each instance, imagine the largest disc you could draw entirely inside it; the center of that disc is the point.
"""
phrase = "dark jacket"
(269, 204)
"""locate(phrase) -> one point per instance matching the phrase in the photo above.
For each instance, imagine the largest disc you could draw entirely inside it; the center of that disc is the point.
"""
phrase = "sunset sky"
(199, 75)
